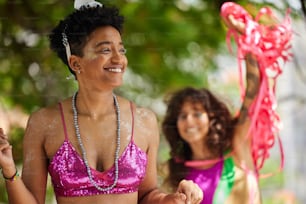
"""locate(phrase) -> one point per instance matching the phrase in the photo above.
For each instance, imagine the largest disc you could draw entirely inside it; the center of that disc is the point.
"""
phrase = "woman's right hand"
(187, 192)
(6, 156)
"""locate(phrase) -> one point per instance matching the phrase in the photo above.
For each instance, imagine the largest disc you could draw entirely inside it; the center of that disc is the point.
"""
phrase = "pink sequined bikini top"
(69, 176)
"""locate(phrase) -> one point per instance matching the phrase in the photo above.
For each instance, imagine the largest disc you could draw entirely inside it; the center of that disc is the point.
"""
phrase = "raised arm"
(241, 139)
(251, 92)
(31, 187)
(270, 43)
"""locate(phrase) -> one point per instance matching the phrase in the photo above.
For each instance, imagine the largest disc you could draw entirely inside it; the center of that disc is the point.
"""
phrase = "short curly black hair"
(79, 25)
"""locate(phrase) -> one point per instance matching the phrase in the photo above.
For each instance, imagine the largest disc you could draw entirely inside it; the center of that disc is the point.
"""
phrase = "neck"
(94, 104)
(200, 152)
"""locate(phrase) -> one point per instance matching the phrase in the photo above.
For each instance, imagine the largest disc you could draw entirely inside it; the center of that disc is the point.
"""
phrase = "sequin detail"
(69, 176)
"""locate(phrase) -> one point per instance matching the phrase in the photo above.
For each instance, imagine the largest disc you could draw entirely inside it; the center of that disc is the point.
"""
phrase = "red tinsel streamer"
(270, 44)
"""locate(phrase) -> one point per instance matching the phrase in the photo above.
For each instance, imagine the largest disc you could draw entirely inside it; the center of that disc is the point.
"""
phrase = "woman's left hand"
(194, 194)
(235, 24)
(187, 192)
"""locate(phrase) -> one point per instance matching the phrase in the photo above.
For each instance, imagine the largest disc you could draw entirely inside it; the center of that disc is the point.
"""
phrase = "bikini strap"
(132, 111)
(63, 120)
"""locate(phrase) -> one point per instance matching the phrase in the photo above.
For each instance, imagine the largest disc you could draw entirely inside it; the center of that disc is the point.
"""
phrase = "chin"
(198, 138)
(118, 84)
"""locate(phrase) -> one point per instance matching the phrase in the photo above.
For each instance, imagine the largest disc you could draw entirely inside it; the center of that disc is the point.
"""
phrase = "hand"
(6, 157)
(235, 16)
(235, 24)
(187, 193)
(193, 193)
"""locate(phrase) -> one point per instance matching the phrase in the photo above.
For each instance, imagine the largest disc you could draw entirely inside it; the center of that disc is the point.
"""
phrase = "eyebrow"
(97, 45)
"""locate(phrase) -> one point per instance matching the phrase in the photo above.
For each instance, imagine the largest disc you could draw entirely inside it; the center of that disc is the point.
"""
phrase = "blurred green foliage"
(170, 44)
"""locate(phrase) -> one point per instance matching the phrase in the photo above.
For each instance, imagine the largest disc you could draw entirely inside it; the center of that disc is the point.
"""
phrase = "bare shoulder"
(43, 113)
(146, 127)
(145, 114)
(41, 121)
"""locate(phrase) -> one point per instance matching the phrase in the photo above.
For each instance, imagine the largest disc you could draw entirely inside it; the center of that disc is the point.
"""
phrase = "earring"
(79, 71)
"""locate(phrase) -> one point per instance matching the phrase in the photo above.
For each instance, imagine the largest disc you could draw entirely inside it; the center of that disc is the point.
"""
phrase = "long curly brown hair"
(218, 140)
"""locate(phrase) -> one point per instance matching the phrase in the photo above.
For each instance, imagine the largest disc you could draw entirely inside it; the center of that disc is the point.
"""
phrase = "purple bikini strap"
(132, 110)
(63, 120)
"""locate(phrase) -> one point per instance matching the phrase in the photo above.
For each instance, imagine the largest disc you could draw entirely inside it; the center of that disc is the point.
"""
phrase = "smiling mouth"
(115, 70)
(191, 130)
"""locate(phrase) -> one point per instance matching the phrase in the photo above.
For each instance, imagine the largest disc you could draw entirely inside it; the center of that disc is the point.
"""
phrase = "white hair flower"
(90, 3)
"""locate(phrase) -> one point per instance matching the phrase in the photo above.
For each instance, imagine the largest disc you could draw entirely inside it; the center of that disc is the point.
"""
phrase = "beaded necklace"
(78, 135)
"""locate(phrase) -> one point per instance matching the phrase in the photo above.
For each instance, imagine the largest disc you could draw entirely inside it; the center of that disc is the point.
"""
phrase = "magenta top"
(69, 176)
(207, 179)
